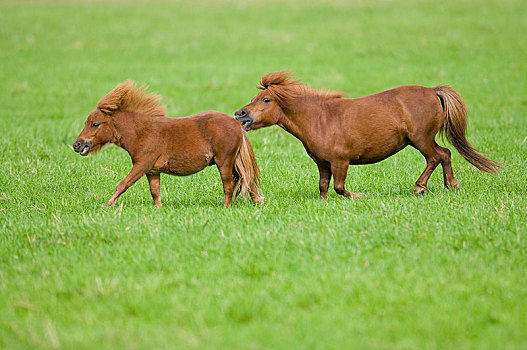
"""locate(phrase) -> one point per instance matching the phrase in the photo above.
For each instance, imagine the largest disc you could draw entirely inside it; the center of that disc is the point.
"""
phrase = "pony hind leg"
(448, 174)
(255, 196)
(253, 191)
(227, 179)
(432, 161)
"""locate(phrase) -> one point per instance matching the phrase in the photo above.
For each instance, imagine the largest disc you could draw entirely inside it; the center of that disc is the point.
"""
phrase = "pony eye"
(95, 125)
(266, 100)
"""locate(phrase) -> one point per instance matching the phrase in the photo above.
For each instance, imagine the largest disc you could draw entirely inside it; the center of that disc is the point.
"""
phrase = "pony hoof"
(454, 186)
(358, 195)
(419, 191)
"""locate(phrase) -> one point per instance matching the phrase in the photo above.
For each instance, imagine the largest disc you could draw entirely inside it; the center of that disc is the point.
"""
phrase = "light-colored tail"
(246, 172)
(454, 128)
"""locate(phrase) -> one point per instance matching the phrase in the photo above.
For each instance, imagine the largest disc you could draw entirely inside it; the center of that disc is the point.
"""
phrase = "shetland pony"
(133, 119)
(337, 132)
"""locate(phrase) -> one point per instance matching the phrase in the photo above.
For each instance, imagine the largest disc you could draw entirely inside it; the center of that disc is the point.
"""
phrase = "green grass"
(446, 271)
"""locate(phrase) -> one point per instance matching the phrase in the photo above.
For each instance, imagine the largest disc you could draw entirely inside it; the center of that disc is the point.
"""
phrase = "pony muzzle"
(244, 118)
(82, 147)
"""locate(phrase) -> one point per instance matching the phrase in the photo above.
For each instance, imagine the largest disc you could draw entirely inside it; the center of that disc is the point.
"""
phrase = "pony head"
(100, 127)
(265, 108)
(279, 95)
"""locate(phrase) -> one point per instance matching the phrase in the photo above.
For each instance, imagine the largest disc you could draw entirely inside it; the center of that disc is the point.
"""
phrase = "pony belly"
(368, 160)
(370, 156)
(184, 164)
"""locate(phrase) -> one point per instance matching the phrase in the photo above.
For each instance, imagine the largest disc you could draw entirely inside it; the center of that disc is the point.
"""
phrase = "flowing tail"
(246, 172)
(454, 128)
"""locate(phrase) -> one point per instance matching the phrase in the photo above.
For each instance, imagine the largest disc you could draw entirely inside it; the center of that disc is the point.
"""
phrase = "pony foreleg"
(154, 181)
(340, 171)
(135, 174)
(325, 178)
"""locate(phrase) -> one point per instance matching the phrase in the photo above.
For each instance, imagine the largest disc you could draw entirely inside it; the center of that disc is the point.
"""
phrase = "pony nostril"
(77, 145)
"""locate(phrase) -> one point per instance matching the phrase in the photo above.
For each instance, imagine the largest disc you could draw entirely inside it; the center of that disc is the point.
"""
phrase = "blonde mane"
(127, 97)
(285, 89)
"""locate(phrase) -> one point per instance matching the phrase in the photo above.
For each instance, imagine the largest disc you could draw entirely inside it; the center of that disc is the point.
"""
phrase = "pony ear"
(282, 77)
(109, 104)
(106, 110)
(112, 102)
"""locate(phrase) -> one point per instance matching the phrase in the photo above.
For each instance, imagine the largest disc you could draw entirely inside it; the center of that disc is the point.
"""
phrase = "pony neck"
(129, 127)
(302, 120)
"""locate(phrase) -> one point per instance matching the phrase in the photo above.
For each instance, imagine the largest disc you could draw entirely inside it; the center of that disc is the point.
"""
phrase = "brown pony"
(133, 119)
(337, 132)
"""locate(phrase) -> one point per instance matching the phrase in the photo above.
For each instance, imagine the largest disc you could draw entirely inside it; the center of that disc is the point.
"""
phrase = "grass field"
(445, 271)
